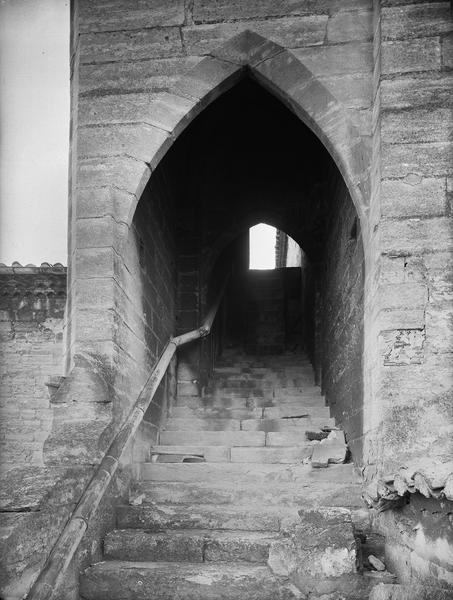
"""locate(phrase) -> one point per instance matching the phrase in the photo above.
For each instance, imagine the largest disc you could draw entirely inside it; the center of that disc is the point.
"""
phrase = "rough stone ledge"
(428, 477)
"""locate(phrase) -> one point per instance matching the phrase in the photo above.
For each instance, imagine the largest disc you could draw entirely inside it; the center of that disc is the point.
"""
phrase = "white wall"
(34, 125)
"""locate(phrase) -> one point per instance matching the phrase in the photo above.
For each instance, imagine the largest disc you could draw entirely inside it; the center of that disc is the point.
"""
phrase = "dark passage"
(248, 159)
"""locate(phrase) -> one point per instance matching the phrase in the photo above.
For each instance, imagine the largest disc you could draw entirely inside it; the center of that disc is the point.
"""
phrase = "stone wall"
(373, 87)
(340, 290)
(414, 167)
(31, 350)
(149, 291)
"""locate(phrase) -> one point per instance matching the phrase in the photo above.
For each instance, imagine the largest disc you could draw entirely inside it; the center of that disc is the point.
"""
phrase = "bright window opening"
(262, 246)
(270, 248)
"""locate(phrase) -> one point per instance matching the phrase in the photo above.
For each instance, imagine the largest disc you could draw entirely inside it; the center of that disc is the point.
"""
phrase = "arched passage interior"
(248, 159)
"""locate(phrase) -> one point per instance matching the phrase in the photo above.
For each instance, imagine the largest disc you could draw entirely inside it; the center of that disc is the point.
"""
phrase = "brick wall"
(31, 344)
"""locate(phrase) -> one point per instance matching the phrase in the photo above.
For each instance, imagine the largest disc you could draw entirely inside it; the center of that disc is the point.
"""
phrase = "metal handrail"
(66, 545)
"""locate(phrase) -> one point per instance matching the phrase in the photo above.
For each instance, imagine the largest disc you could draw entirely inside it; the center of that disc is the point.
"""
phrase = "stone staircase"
(229, 507)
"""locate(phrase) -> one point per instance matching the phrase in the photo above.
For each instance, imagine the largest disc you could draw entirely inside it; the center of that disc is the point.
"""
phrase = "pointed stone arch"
(135, 150)
(115, 162)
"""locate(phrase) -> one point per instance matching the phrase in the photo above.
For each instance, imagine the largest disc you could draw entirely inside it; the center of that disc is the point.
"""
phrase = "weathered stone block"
(208, 12)
(106, 580)
(337, 60)
(402, 295)
(398, 591)
(94, 262)
(439, 328)
(130, 45)
(114, 108)
(402, 346)
(414, 21)
(290, 33)
(432, 159)
(205, 77)
(249, 547)
(422, 89)
(100, 202)
(401, 319)
(313, 551)
(140, 141)
(353, 91)
(447, 51)
(108, 15)
(99, 232)
(139, 76)
(139, 545)
(35, 503)
(418, 125)
(125, 173)
(419, 54)
(416, 236)
(350, 26)
(413, 197)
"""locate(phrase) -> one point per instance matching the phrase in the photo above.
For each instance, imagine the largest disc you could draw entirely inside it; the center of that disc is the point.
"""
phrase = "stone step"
(249, 387)
(216, 413)
(246, 473)
(277, 496)
(282, 424)
(286, 409)
(251, 403)
(188, 545)
(246, 454)
(234, 383)
(293, 409)
(209, 453)
(296, 391)
(212, 438)
(296, 437)
(157, 517)
(122, 580)
(281, 455)
(202, 424)
(287, 424)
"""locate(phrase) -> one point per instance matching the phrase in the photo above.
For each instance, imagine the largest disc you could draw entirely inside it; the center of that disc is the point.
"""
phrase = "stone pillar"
(413, 167)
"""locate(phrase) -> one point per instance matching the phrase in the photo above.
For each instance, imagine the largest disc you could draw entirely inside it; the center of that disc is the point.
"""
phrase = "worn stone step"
(212, 438)
(290, 424)
(296, 391)
(216, 413)
(221, 403)
(296, 437)
(223, 392)
(293, 409)
(202, 424)
(122, 580)
(241, 382)
(282, 455)
(209, 453)
(247, 454)
(268, 496)
(188, 545)
(245, 473)
(157, 517)
(251, 403)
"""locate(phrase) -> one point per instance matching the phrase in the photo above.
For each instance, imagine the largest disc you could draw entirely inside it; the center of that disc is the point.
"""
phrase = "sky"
(34, 126)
